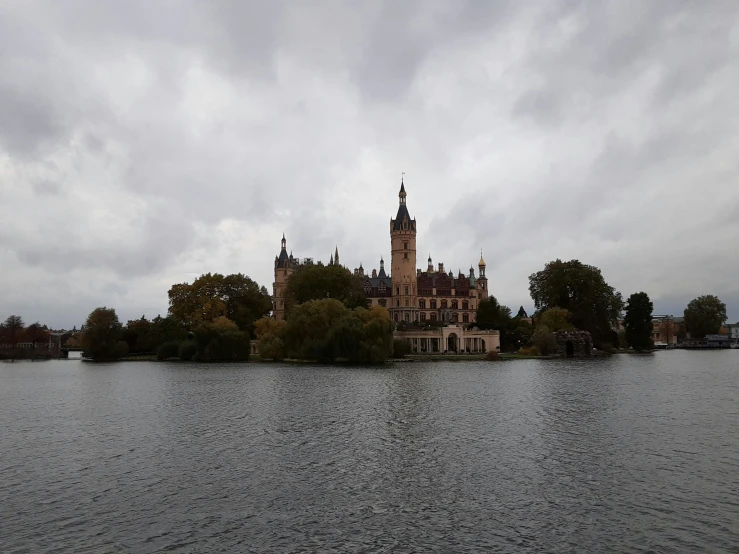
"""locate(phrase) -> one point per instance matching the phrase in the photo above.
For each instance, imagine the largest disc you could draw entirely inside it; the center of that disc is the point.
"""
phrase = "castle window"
(382, 302)
(407, 318)
(433, 304)
(397, 302)
(455, 304)
(454, 317)
(465, 305)
(443, 304)
(422, 304)
(433, 316)
(405, 245)
(465, 318)
(423, 316)
(406, 290)
(397, 291)
(395, 317)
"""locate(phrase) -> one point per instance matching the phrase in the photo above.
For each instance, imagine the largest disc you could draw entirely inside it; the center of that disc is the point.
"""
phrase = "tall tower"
(404, 305)
(284, 266)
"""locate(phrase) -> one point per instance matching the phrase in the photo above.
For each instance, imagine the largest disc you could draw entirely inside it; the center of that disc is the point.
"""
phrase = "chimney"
(441, 267)
(374, 273)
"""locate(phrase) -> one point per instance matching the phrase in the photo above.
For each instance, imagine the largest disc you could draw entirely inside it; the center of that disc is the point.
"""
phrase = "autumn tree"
(581, 289)
(211, 296)
(103, 334)
(12, 328)
(638, 321)
(37, 334)
(704, 316)
(318, 282)
(221, 341)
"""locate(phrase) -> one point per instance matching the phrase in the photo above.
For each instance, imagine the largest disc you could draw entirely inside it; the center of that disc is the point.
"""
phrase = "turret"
(430, 265)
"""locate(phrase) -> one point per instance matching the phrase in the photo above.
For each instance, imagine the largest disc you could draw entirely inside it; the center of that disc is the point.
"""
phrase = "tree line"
(572, 296)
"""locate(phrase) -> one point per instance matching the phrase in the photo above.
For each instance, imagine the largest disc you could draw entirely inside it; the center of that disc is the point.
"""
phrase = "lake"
(630, 453)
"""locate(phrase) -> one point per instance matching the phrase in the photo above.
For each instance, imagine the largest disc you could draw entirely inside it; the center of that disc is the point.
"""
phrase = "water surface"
(632, 453)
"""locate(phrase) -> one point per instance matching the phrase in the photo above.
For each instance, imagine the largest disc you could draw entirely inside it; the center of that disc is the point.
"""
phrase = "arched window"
(407, 317)
(423, 316)
(433, 316)
(443, 304)
(455, 304)
(382, 302)
(465, 305)
(433, 304)
(395, 317)
(422, 304)
(465, 318)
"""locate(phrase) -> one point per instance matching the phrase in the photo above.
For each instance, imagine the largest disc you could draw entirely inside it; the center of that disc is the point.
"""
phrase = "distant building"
(665, 329)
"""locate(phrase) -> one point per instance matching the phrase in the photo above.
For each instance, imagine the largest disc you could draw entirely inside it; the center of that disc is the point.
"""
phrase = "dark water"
(629, 454)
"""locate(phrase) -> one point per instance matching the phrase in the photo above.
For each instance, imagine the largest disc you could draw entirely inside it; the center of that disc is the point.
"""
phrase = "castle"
(410, 294)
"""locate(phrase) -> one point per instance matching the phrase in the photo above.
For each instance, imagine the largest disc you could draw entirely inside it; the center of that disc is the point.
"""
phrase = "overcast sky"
(144, 143)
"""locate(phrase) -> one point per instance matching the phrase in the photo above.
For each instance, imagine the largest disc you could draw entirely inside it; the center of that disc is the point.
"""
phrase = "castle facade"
(409, 293)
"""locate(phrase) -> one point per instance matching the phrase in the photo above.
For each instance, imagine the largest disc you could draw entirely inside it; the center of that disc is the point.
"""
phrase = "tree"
(521, 313)
(36, 334)
(221, 341)
(491, 315)
(326, 330)
(12, 329)
(638, 321)
(270, 333)
(317, 282)
(102, 337)
(555, 319)
(581, 289)
(704, 316)
(139, 336)
(544, 340)
(211, 296)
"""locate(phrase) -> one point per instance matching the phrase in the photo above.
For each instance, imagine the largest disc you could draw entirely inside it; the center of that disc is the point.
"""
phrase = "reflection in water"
(628, 453)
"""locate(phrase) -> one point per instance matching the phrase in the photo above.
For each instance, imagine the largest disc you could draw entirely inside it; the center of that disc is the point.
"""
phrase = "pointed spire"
(402, 194)
(481, 262)
(331, 260)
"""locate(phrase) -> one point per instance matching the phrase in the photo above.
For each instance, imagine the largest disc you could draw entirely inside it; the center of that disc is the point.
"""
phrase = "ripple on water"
(629, 453)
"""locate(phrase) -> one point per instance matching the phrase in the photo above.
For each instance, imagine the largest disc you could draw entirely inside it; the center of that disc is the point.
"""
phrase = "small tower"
(404, 303)
(482, 281)
(430, 268)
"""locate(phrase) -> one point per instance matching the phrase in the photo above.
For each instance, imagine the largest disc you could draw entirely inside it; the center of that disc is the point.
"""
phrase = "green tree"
(638, 321)
(221, 341)
(581, 289)
(543, 339)
(704, 316)
(270, 333)
(211, 296)
(326, 330)
(555, 319)
(138, 334)
(102, 337)
(318, 282)
(491, 315)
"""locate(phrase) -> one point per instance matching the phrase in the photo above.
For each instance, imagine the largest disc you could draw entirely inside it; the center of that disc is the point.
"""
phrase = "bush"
(187, 350)
(544, 341)
(401, 347)
(492, 355)
(170, 349)
(530, 351)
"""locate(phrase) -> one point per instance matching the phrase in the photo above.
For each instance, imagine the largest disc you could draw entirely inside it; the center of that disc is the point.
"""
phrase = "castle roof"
(403, 213)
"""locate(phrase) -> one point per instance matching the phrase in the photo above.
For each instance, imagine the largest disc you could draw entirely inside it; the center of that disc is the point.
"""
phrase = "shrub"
(170, 349)
(530, 351)
(187, 350)
(401, 347)
(544, 340)
(492, 355)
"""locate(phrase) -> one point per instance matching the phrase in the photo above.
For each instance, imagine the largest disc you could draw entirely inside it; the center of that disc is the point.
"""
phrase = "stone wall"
(580, 342)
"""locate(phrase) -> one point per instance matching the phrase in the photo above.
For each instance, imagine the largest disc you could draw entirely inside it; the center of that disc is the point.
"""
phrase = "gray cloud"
(144, 143)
